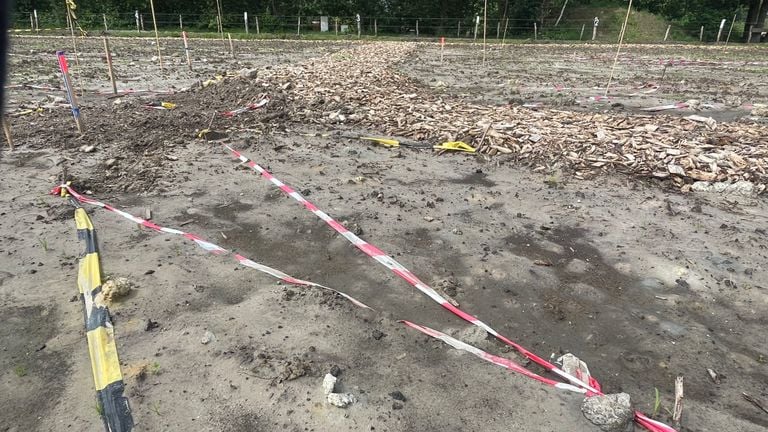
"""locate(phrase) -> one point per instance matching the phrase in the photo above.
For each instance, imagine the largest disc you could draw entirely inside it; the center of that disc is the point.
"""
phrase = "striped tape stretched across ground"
(113, 406)
(591, 388)
(206, 245)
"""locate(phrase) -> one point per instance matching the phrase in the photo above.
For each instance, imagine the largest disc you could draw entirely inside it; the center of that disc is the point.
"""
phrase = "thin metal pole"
(157, 36)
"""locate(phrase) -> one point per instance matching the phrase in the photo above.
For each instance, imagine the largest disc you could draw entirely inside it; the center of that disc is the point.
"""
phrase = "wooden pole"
(141, 21)
(231, 45)
(245, 19)
(561, 13)
(181, 23)
(186, 49)
(298, 27)
(485, 26)
(417, 28)
(358, 26)
(498, 30)
(535, 31)
(477, 24)
(7, 130)
(618, 49)
(109, 65)
(594, 28)
(720, 32)
(31, 22)
(258, 31)
(375, 27)
(701, 34)
(581, 36)
(220, 22)
(730, 30)
(458, 29)
(74, 46)
(104, 17)
(504, 38)
(37, 21)
(677, 413)
(666, 35)
(157, 35)
(136, 14)
(336, 25)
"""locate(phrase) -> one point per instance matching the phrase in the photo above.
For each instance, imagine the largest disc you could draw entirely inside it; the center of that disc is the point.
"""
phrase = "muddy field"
(640, 281)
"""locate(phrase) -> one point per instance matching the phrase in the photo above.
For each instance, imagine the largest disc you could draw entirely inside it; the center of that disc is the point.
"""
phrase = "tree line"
(688, 13)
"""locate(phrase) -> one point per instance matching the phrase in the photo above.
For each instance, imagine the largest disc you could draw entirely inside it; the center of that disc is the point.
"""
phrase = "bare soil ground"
(645, 283)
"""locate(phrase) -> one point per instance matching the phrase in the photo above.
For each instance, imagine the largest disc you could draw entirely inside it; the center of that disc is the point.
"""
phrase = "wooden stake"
(7, 130)
(561, 13)
(618, 49)
(181, 23)
(701, 34)
(477, 24)
(245, 19)
(231, 45)
(31, 22)
(720, 32)
(104, 16)
(157, 36)
(220, 22)
(298, 27)
(186, 49)
(109, 65)
(728, 39)
(535, 31)
(257, 25)
(375, 27)
(74, 46)
(581, 36)
(336, 25)
(485, 26)
(141, 21)
(677, 414)
(37, 21)
(498, 30)
(136, 14)
(417, 28)
(504, 38)
(666, 35)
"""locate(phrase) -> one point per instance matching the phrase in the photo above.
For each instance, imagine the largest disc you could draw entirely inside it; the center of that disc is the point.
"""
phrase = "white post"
(535, 32)
(594, 28)
(245, 18)
(136, 14)
(701, 34)
(37, 21)
(336, 25)
(181, 23)
(666, 35)
(104, 16)
(417, 28)
(31, 22)
(186, 49)
(257, 25)
(720, 32)
(375, 27)
(477, 24)
(298, 27)
(581, 36)
(358, 25)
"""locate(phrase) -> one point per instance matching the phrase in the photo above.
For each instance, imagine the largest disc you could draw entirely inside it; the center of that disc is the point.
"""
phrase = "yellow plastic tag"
(456, 146)
(386, 142)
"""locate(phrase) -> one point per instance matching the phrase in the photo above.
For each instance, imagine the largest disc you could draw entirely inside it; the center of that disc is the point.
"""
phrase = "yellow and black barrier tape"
(113, 406)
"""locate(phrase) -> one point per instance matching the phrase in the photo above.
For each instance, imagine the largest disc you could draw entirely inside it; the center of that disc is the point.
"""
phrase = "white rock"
(341, 400)
(329, 384)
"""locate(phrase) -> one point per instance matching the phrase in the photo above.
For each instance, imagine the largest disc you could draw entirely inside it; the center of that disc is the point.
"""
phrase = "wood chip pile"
(361, 87)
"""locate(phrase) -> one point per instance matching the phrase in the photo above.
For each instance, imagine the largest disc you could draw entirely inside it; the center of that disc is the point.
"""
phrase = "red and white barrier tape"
(249, 107)
(591, 389)
(206, 245)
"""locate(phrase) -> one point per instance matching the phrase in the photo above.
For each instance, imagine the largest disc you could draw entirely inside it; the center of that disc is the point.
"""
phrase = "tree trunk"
(754, 9)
